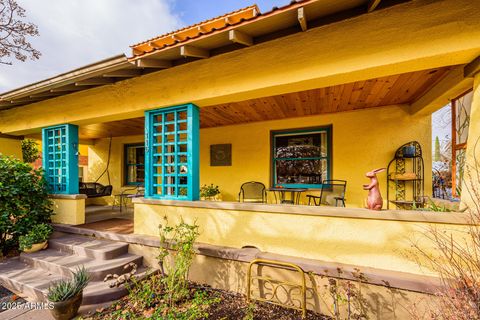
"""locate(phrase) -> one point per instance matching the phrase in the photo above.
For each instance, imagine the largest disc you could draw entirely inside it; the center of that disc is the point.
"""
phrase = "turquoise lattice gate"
(172, 154)
(60, 158)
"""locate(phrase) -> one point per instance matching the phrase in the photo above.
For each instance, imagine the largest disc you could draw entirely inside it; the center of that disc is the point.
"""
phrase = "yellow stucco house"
(210, 103)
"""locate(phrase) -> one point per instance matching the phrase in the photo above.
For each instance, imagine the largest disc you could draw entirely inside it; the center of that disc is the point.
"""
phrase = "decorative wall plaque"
(221, 154)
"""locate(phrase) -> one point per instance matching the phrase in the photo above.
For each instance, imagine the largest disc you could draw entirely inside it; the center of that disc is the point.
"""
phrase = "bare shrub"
(456, 259)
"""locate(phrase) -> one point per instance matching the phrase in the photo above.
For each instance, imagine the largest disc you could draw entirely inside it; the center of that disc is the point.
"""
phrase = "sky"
(74, 33)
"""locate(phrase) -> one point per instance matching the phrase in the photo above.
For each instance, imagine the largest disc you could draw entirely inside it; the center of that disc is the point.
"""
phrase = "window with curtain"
(134, 164)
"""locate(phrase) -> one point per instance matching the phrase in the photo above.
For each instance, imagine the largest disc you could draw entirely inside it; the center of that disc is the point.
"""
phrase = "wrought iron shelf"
(405, 179)
(407, 161)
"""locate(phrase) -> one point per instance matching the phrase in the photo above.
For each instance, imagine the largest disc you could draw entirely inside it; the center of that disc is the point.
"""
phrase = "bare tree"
(14, 33)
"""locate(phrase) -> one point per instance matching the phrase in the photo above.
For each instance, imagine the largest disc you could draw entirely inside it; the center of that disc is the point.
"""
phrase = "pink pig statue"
(374, 200)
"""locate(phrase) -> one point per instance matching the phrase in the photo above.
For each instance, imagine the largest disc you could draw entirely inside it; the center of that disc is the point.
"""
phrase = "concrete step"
(98, 292)
(32, 284)
(30, 275)
(25, 281)
(64, 263)
(89, 247)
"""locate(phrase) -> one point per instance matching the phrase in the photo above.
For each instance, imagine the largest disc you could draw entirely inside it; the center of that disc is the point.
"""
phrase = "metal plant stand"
(405, 178)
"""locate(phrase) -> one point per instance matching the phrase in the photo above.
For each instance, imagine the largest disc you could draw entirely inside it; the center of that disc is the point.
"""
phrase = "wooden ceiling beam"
(6, 103)
(94, 82)
(70, 87)
(45, 94)
(195, 52)
(240, 37)
(472, 68)
(26, 100)
(123, 73)
(372, 5)
(302, 19)
(153, 63)
(153, 44)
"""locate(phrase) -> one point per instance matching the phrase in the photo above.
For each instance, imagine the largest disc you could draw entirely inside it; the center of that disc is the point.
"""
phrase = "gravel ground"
(232, 306)
(6, 297)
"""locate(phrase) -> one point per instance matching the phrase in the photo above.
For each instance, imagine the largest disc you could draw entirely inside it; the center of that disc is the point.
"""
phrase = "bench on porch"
(95, 190)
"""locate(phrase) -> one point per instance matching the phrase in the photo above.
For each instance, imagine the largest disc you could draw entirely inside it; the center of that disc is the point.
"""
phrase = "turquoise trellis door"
(172, 153)
(60, 158)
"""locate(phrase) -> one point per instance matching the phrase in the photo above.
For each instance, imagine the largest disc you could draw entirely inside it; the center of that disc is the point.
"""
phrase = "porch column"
(471, 184)
(11, 146)
(172, 153)
(60, 162)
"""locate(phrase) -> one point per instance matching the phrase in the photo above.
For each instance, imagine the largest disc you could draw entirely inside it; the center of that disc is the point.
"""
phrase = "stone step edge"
(56, 243)
(66, 271)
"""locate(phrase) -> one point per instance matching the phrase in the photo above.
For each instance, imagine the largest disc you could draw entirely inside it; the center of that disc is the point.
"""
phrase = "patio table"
(294, 194)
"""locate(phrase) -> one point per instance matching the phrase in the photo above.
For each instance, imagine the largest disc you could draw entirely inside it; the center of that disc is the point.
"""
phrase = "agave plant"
(66, 289)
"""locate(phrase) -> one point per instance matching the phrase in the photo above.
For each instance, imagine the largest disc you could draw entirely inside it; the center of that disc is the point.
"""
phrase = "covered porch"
(344, 122)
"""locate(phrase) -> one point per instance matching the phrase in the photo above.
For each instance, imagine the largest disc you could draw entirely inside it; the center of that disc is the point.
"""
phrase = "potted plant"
(210, 192)
(66, 295)
(36, 239)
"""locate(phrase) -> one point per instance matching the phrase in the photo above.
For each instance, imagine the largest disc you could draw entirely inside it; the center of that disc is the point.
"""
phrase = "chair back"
(333, 192)
(253, 191)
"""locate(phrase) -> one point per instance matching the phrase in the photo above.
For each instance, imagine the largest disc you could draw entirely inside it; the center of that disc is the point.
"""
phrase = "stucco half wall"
(359, 237)
(361, 141)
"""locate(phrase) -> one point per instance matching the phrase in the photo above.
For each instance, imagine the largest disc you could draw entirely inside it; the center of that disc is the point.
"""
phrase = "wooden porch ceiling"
(396, 89)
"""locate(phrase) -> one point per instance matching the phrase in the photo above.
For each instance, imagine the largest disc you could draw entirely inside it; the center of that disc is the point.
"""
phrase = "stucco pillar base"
(69, 209)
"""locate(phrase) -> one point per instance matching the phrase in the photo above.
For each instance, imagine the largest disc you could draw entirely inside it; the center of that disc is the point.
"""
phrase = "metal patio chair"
(331, 194)
(253, 192)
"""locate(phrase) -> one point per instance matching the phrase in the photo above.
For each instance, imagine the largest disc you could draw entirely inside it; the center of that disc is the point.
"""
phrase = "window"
(461, 109)
(134, 164)
(172, 138)
(60, 158)
(301, 158)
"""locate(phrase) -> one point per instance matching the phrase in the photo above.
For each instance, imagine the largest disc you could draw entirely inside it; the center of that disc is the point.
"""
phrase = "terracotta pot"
(37, 247)
(66, 310)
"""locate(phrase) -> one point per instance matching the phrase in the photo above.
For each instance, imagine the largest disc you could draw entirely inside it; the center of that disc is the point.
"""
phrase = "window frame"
(456, 147)
(126, 164)
(297, 131)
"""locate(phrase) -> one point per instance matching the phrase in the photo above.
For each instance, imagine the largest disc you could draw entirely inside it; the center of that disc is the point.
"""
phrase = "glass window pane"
(135, 164)
(463, 107)
(311, 145)
(301, 171)
(460, 170)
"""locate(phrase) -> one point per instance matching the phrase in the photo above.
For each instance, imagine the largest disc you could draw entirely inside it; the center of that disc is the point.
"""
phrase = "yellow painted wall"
(362, 141)
(11, 147)
(413, 36)
(382, 244)
(471, 185)
(97, 162)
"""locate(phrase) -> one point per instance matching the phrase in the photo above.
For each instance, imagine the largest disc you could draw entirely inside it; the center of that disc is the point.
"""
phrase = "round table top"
(288, 189)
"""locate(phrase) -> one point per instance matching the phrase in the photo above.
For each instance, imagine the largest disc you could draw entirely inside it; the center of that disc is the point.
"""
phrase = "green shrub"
(24, 201)
(178, 243)
(66, 289)
(30, 150)
(39, 233)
